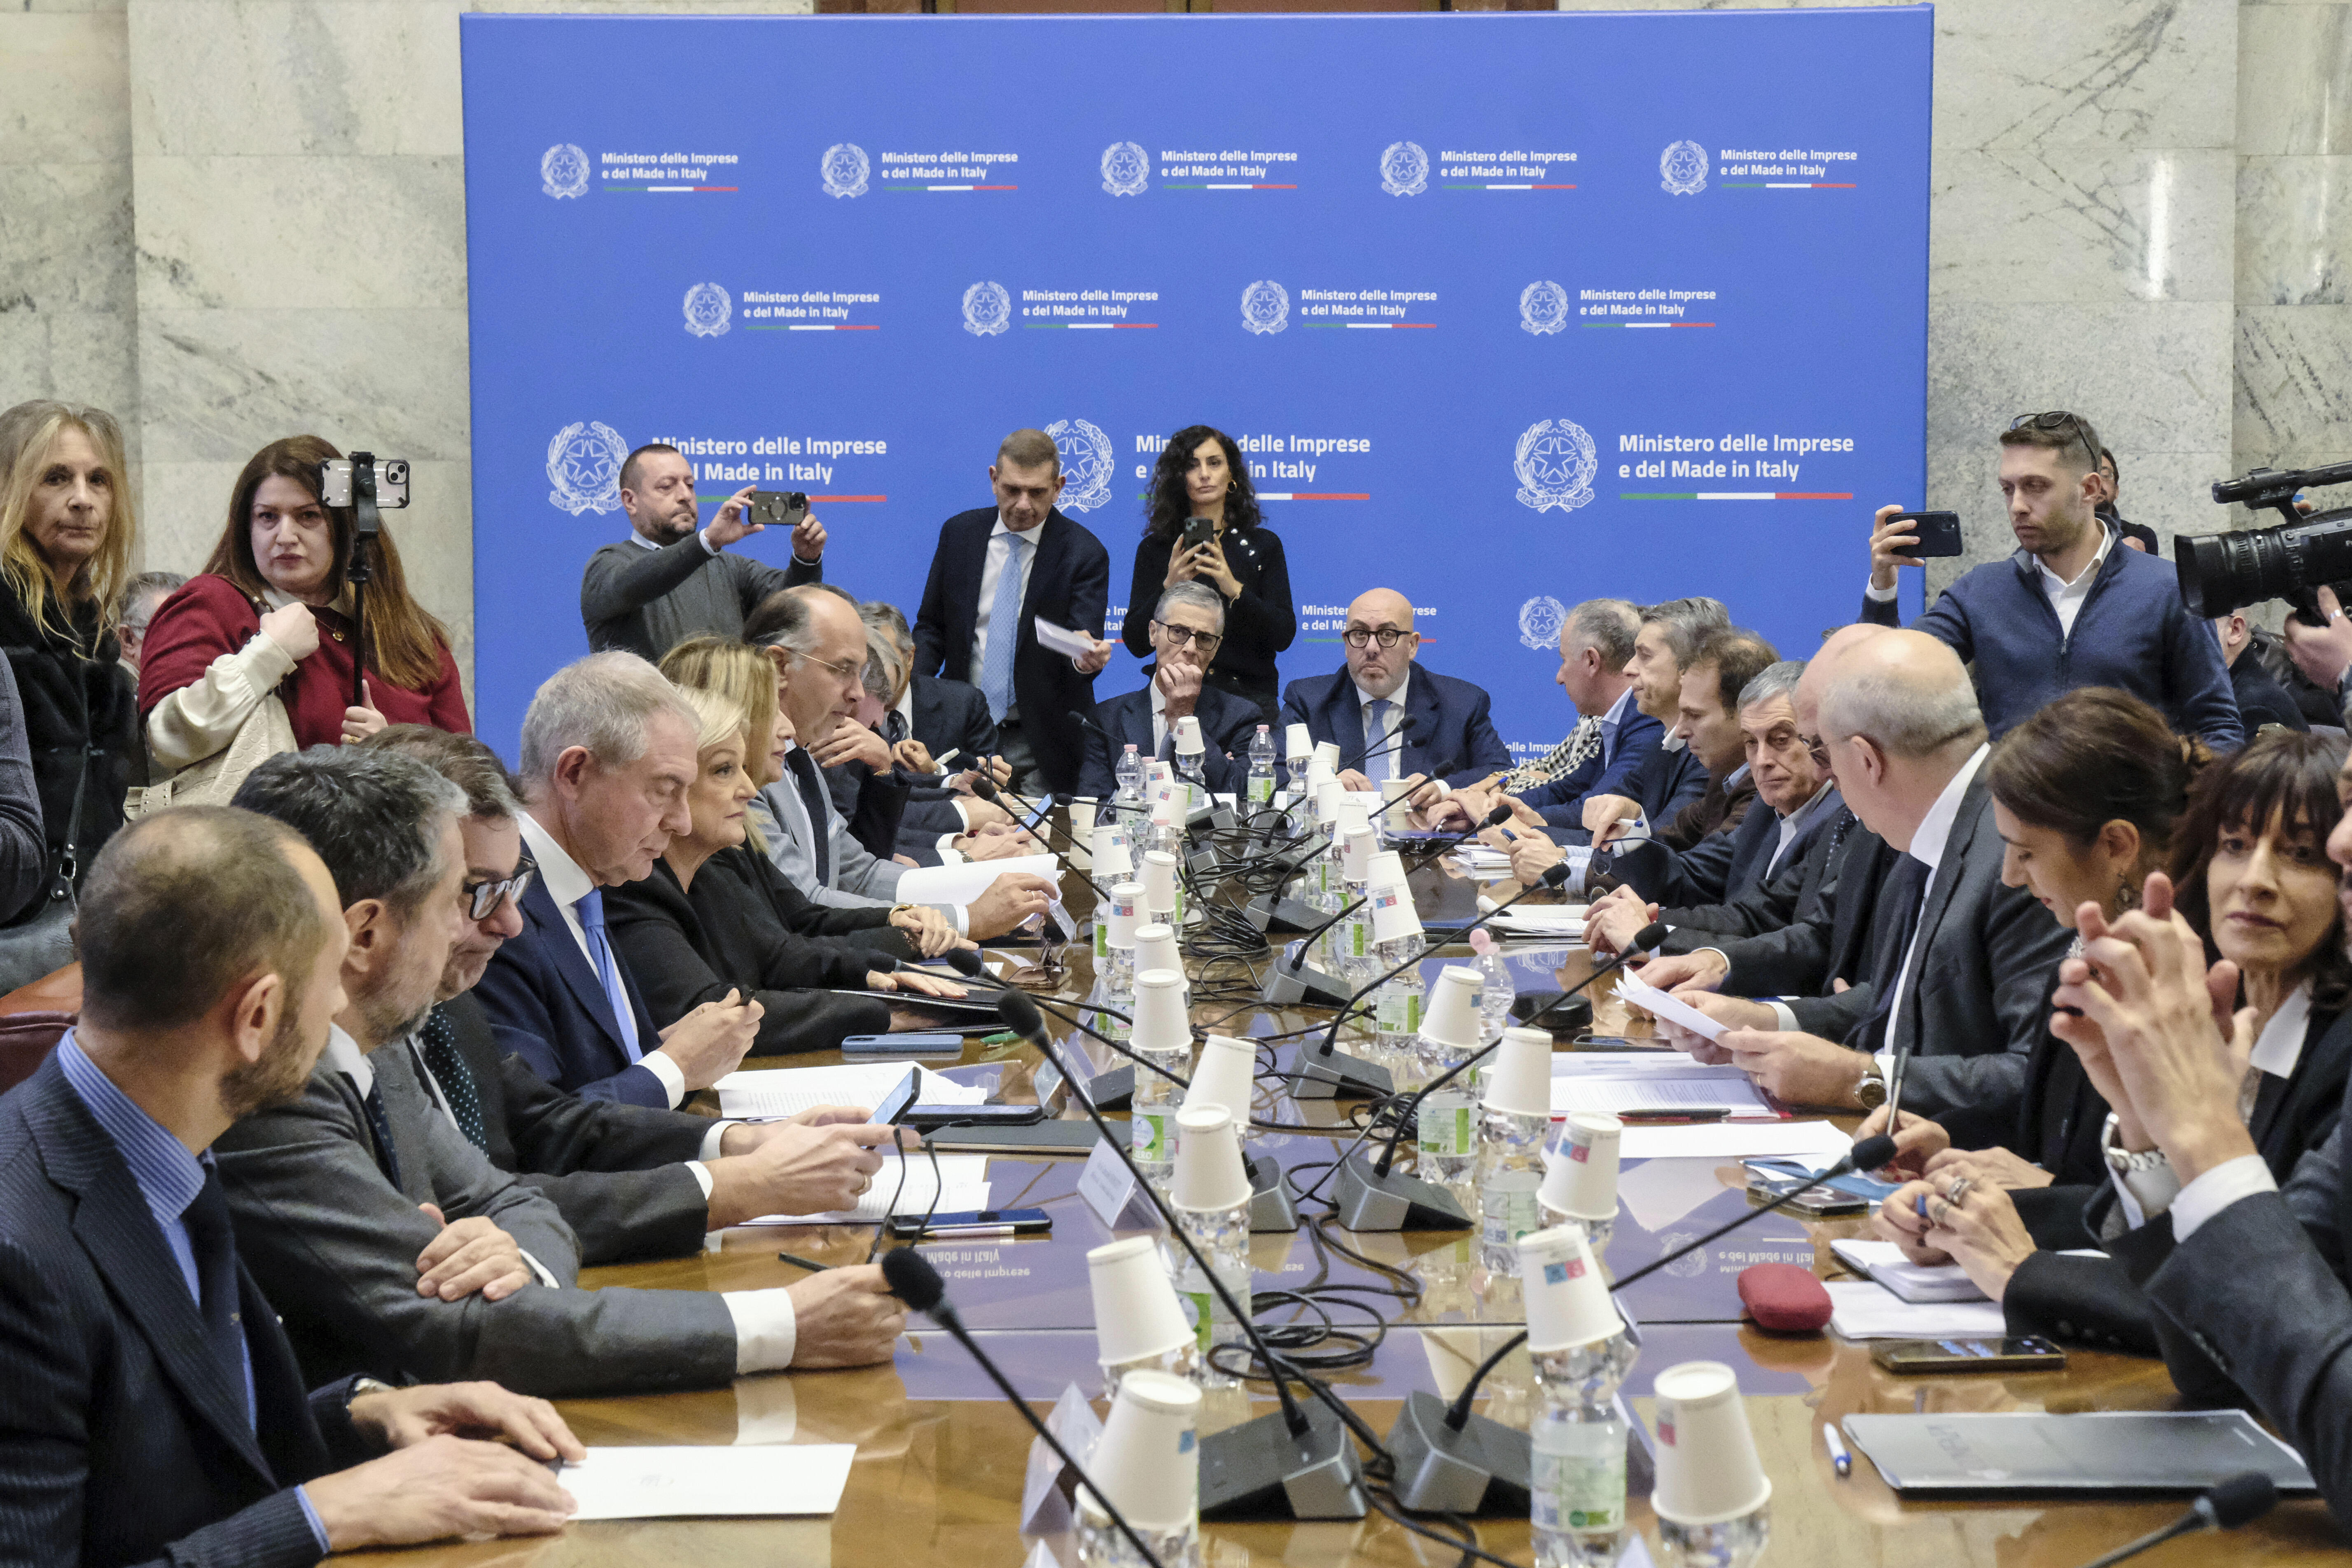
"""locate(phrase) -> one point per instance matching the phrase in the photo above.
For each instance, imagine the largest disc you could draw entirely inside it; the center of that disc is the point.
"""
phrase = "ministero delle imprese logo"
(584, 464)
(1266, 307)
(844, 168)
(1555, 462)
(563, 171)
(1125, 169)
(1086, 454)
(708, 310)
(1404, 169)
(987, 310)
(1540, 619)
(1681, 168)
(1543, 307)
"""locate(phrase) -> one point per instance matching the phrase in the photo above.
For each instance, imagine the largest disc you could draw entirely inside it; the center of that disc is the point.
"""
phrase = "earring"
(2127, 896)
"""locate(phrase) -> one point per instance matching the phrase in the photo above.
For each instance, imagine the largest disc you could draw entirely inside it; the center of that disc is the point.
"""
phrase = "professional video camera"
(2222, 571)
(365, 483)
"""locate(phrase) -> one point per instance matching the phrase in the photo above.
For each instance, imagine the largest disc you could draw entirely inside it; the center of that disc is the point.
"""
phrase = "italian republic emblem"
(1265, 308)
(1555, 463)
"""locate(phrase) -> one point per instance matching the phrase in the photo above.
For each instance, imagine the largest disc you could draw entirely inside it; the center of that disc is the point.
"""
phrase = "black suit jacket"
(615, 1171)
(1694, 868)
(1228, 724)
(546, 1005)
(952, 716)
(121, 1439)
(1835, 940)
(1069, 586)
(1452, 735)
(1759, 902)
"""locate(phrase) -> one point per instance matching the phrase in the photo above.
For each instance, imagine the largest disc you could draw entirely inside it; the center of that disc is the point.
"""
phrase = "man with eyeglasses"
(2070, 607)
(1393, 719)
(1186, 628)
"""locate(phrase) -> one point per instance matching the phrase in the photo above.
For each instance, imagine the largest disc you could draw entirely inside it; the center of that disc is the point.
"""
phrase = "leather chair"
(33, 1019)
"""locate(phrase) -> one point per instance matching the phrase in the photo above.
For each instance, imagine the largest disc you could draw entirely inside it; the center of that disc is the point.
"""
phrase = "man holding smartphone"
(668, 579)
(2071, 607)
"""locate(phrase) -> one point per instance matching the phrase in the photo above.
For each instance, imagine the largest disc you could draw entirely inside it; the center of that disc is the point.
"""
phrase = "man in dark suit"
(1186, 627)
(2261, 700)
(341, 1195)
(558, 995)
(1961, 964)
(154, 1409)
(1612, 736)
(1390, 718)
(1020, 559)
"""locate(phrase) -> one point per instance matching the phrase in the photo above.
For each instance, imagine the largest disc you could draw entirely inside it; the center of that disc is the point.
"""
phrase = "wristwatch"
(2127, 1162)
(1870, 1089)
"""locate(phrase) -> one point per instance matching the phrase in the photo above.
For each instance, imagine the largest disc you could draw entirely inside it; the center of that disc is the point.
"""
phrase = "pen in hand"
(797, 1261)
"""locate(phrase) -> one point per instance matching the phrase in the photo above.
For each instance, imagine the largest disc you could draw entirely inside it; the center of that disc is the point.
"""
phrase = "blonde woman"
(740, 675)
(68, 529)
(710, 920)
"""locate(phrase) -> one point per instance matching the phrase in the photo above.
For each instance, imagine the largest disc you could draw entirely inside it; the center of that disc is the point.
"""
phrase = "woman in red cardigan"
(272, 611)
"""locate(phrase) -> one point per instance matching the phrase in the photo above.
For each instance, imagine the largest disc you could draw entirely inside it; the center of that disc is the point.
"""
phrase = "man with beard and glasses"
(389, 1241)
(668, 581)
(152, 1408)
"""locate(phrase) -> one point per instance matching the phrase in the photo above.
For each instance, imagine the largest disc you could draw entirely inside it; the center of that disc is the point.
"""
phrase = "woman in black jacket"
(1201, 473)
(708, 921)
(2250, 863)
(66, 534)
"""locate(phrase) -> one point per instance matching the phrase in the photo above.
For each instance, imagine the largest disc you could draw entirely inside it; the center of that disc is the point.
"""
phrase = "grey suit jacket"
(334, 1244)
(860, 879)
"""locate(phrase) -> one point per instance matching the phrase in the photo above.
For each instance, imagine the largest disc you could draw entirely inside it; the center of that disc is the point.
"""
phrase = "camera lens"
(2223, 572)
(395, 471)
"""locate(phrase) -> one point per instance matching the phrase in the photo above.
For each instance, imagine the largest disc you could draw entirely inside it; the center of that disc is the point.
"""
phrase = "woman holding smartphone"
(1203, 523)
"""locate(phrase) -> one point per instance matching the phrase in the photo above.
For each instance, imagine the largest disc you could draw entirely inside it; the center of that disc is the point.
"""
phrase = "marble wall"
(228, 219)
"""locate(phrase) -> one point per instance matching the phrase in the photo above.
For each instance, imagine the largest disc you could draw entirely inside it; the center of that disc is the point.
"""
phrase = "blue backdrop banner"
(1506, 310)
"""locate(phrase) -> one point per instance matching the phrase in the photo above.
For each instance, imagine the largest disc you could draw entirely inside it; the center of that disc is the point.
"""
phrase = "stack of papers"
(1554, 922)
(1733, 1141)
(1916, 1283)
(788, 1091)
(963, 884)
(1860, 1309)
(1615, 1081)
(671, 1483)
(962, 1185)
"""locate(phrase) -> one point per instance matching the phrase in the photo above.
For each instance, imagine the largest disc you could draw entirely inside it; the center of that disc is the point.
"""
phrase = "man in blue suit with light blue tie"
(1390, 718)
(608, 754)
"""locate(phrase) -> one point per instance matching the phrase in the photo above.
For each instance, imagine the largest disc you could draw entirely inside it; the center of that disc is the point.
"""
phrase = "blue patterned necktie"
(455, 1075)
(387, 1157)
(1376, 740)
(1003, 631)
(608, 972)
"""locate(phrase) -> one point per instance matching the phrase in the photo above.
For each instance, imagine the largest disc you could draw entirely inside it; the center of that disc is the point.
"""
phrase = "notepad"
(686, 1482)
(1916, 1283)
(1659, 1091)
(788, 1091)
(1733, 1141)
(1860, 1309)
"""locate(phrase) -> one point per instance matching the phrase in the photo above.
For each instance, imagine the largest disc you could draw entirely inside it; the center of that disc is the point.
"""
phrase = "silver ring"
(1942, 1212)
(1958, 1190)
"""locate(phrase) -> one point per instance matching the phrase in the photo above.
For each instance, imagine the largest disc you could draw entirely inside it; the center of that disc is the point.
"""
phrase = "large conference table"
(942, 1460)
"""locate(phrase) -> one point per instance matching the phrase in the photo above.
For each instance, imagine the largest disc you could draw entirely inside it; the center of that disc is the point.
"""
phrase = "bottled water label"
(1360, 936)
(1149, 1135)
(1199, 1305)
(1261, 788)
(1400, 1011)
(1102, 941)
(1508, 1207)
(1582, 1490)
(1448, 1128)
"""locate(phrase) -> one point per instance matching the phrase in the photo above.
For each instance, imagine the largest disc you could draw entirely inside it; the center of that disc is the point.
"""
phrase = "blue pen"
(1920, 1203)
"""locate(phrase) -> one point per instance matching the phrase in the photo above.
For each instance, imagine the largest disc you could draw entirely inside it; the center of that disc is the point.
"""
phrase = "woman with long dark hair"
(1201, 473)
(272, 614)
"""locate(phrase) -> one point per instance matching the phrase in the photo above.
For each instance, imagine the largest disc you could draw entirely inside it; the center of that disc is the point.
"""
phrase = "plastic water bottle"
(1577, 1491)
(1129, 772)
(1397, 1009)
(1261, 768)
(1153, 1116)
(1497, 990)
(1194, 790)
(1510, 1173)
(1446, 1125)
(1302, 804)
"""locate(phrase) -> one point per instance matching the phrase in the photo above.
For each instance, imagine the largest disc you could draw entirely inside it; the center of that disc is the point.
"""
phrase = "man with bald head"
(1390, 718)
(1961, 964)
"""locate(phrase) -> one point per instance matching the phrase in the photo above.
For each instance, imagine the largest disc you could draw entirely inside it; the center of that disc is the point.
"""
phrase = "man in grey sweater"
(667, 582)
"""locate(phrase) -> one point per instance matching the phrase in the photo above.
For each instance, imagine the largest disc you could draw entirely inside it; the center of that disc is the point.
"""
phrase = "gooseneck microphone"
(914, 1281)
(1301, 1456)
(1371, 1196)
(2227, 1504)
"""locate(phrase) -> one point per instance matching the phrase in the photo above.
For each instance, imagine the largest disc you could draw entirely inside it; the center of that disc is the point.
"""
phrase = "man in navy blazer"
(154, 1410)
(1186, 627)
(1389, 717)
(608, 752)
(1063, 580)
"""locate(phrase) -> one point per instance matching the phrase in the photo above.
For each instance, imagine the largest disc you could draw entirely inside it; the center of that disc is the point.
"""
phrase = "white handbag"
(213, 779)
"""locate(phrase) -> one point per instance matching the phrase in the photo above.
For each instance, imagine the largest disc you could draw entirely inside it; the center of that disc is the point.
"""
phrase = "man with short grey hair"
(608, 754)
(1186, 627)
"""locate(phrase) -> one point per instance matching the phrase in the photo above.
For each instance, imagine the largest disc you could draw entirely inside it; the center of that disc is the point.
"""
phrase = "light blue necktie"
(1003, 631)
(1376, 738)
(608, 973)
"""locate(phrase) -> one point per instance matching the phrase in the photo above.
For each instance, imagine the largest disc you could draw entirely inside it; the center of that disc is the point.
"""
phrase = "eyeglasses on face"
(484, 898)
(853, 674)
(1180, 635)
(1389, 637)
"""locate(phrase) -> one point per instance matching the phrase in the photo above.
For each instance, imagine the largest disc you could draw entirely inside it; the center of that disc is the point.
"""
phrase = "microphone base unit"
(1273, 913)
(1482, 1470)
(1271, 1209)
(1260, 1469)
(1288, 984)
(1112, 1091)
(1370, 1201)
(1335, 1074)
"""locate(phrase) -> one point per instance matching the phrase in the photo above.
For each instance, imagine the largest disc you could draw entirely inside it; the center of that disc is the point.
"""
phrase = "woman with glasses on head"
(2248, 860)
(696, 931)
(1200, 473)
(272, 615)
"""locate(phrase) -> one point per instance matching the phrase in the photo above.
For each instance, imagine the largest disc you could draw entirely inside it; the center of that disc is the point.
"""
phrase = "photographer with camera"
(271, 618)
(2071, 607)
(668, 581)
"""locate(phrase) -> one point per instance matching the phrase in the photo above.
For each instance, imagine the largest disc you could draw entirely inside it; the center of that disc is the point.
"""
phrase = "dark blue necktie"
(813, 798)
(455, 1075)
(387, 1158)
(213, 1240)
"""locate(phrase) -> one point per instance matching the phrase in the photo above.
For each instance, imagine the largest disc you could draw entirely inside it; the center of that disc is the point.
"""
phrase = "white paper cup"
(1581, 1177)
(1518, 1074)
(1328, 754)
(1188, 736)
(1393, 913)
(1297, 743)
(1155, 948)
(1209, 1170)
(1394, 810)
(1110, 854)
(1224, 1076)
(1565, 1293)
(1353, 817)
(1707, 1469)
(1328, 796)
(1163, 805)
(1160, 1018)
(1122, 912)
(1388, 869)
(1147, 1463)
(1159, 881)
(1453, 1016)
(1136, 1312)
(1356, 851)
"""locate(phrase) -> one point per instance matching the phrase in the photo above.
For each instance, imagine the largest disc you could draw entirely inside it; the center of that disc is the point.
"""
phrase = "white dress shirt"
(990, 572)
(1611, 723)
(567, 884)
(1794, 822)
(1928, 844)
